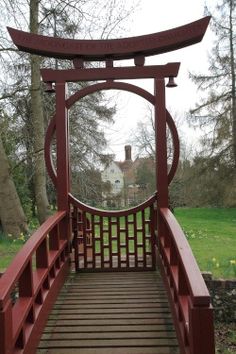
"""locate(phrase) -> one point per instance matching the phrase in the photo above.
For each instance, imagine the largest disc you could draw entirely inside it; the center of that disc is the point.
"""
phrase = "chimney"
(128, 152)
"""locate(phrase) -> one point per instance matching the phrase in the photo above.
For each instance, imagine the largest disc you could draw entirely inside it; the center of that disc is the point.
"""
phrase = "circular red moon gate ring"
(109, 86)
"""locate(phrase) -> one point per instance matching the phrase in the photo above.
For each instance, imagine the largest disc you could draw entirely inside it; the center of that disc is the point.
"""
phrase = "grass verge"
(211, 233)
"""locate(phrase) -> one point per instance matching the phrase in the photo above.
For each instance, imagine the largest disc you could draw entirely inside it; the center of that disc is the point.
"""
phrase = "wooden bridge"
(122, 295)
(111, 313)
(94, 281)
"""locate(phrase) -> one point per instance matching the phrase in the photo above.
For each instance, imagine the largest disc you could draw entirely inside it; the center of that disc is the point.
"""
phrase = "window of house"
(117, 181)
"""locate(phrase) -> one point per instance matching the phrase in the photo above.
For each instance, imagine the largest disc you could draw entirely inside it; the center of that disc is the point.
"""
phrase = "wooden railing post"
(42, 255)
(6, 328)
(161, 144)
(201, 330)
(161, 153)
(188, 294)
(63, 171)
(26, 281)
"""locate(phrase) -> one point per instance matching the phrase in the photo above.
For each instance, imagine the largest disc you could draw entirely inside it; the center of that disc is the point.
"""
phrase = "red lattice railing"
(188, 294)
(30, 285)
(114, 240)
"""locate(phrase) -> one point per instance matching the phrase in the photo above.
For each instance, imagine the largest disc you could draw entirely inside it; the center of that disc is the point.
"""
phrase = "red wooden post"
(62, 157)
(54, 239)
(62, 147)
(161, 144)
(161, 154)
(201, 330)
(42, 255)
(26, 281)
(6, 328)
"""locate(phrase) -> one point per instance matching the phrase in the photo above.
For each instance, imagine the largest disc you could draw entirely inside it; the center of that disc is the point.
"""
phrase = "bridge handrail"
(31, 283)
(115, 213)
(18, 264)
(197, 287)
(188, 294)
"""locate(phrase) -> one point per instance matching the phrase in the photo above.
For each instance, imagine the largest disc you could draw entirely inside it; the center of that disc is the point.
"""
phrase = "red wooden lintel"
(111, 73)
(115, 49)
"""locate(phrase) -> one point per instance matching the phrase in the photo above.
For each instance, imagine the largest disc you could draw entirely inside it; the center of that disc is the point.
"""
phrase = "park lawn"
(8, 250)
(211, 233)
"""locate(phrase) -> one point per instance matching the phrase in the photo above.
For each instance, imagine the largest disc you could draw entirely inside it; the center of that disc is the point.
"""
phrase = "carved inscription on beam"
(115, 49)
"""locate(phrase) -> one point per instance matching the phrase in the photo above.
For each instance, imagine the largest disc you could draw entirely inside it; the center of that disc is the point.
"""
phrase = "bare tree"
(13, 220)
(65, 18)
(217, 110)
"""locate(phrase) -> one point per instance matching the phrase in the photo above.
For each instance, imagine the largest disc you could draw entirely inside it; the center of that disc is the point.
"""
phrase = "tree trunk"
(233, 81)
(12, 216)
(41, 198)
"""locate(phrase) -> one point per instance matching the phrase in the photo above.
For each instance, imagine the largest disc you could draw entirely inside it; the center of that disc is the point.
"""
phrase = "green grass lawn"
(211, 233)
(8, 249)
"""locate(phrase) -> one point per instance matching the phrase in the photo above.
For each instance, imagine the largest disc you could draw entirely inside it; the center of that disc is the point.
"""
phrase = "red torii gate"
(188, 295)
(109, 50)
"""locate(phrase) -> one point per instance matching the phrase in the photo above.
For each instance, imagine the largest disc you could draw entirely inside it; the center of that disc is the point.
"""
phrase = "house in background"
(131, 181)
(114, 175)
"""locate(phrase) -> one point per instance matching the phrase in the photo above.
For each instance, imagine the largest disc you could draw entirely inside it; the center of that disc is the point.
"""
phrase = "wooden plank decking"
(110, 313)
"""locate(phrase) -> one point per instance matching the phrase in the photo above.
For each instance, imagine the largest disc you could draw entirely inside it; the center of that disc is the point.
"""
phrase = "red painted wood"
(197, 287)
(89, 257)
(25, 283)
(42, 255)
(101, 241)
(62, 147)
(107, 86)
(188, 294)
(118, 242)
(161, 144)
(84, 238)
(114, 49)
(6, 327)
(111, 213)
(54, 239)
(18, 320)
(22, 258)
(145, 72)
(110, 240)
(49, 299)
(127, 241)
(189, 298)
(144, 239)
(201, 330)
(93, 241)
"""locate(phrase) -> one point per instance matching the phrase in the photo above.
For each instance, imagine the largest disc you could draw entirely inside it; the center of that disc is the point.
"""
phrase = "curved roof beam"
(115, 49)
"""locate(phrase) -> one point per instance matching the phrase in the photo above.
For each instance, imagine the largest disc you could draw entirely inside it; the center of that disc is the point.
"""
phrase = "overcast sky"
(155, 16)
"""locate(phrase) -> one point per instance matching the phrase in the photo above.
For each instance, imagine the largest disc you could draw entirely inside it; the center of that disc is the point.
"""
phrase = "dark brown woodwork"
(115, 49)
(122, 313)
(135, 72)
(91, 226)
(109, 86)
(125, 313)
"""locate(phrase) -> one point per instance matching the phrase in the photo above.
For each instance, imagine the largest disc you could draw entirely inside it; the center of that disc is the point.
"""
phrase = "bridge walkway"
(110, 312)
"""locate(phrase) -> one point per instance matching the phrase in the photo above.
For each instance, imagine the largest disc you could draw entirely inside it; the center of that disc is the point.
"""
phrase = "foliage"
(203, 182)
(145, 176)
(216, 112)
(225, 338)
(88, 187)
(211, 233)
(209, 178)
(9, 246)
(68, 19)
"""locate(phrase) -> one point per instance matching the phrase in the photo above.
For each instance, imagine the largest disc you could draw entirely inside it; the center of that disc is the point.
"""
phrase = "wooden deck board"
(115, 313)
(112, 350)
